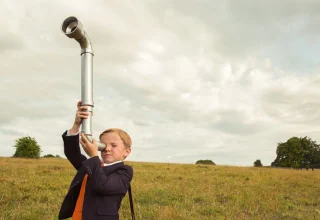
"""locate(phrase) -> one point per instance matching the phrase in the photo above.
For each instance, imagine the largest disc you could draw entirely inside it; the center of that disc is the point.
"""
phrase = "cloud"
(9, 132)
(293, 100)
(281, 30)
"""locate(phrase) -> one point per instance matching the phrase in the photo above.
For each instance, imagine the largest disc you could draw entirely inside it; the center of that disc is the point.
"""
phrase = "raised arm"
(72, 149)
(71, 138)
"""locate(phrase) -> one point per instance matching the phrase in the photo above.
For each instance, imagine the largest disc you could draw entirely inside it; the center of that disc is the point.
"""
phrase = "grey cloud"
(35, 110)
(300, 106)
(251, 28)
(141, 123)
(35, 85)
(167, 104)
(10, 132)
(237, 127)
(11, 41)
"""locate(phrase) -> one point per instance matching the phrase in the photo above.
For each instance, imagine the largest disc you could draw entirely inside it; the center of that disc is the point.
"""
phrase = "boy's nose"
(108, 148)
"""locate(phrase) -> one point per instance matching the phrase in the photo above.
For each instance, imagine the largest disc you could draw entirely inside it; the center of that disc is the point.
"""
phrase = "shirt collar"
(109, 164)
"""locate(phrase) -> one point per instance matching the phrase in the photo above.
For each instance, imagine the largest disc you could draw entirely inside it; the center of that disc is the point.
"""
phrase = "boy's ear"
(127, 151)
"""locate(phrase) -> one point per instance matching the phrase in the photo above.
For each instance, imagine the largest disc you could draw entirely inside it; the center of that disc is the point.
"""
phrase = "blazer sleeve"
(116, 183)
(72, 150)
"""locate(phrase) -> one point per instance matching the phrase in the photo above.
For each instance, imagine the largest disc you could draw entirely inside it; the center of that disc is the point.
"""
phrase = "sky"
(188, 80)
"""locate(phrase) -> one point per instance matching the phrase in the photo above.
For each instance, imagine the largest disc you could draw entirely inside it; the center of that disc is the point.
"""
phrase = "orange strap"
(77, 213)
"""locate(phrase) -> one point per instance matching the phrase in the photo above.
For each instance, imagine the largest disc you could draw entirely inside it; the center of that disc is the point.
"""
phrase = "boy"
(97, 189)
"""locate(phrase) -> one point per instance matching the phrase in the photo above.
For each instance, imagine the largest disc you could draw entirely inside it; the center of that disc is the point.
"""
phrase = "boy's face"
(115, 149)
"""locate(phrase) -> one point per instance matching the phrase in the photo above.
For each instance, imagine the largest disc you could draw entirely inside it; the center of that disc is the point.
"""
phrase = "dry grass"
(34, 189)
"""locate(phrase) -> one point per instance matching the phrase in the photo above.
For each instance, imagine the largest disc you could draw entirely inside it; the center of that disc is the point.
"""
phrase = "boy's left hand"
(90, 148)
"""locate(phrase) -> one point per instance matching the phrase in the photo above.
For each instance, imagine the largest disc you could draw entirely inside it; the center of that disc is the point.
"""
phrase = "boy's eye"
(114, 145)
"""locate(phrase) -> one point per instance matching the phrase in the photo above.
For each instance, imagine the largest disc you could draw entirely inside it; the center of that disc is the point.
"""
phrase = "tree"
(311, 153)
(205, 162)
(298, 153)
(257, 163)
(48, 155)
(27, 147)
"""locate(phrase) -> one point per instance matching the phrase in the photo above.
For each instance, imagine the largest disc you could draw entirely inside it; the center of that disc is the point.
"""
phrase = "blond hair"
(122, 134)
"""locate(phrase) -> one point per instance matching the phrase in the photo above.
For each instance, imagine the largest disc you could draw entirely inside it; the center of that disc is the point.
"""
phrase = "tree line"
(295, 153)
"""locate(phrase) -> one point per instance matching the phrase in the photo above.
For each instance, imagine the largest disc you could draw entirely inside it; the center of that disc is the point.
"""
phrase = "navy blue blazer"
(106, 186)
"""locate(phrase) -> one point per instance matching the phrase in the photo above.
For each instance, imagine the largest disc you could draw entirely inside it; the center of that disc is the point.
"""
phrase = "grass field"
(35, 189)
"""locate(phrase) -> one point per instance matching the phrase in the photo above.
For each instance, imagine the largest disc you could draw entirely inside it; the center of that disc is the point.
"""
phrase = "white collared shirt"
(109, 164)
(69, 134)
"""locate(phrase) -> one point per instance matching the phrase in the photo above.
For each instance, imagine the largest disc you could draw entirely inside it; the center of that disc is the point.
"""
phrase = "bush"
(257, 163)
(205, 162)
(48, 155)
(27, 147)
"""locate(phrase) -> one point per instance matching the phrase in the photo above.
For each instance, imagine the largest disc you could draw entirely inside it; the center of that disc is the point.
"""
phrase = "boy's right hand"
(80, 115)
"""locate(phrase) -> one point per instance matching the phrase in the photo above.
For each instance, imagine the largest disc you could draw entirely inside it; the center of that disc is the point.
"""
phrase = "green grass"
(35, 189)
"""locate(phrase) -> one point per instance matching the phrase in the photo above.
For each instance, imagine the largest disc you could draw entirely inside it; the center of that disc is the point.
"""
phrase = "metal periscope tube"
(73, 28)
